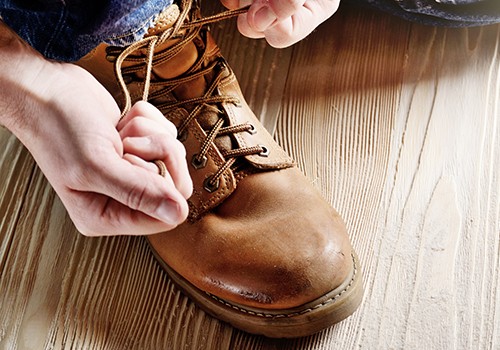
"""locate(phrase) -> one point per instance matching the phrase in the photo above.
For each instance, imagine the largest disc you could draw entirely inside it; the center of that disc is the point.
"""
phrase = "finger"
(147, 110)
(260, 18)
(286, 33)
(135, 160)
(302, 23)
(263, 14)
(167, 149)
(143, 126)
(245, 29)
(140, 189)
(99, 215)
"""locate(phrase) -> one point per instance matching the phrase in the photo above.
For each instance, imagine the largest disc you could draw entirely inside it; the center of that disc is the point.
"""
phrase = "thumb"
(234, 4)
(143, 190)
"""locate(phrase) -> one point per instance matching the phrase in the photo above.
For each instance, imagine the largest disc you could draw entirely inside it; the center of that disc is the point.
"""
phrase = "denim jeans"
(449, 13)
(68, 29)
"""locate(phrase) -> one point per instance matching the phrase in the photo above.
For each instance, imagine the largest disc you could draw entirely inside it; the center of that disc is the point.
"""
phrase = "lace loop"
(153, 40)
(184, 31)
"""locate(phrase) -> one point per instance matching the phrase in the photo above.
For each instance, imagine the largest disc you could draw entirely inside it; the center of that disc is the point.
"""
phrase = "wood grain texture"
(398, 125)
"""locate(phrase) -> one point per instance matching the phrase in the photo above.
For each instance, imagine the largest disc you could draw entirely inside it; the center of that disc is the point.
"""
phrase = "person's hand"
(104, 174)
(281, 22)
(100, 168)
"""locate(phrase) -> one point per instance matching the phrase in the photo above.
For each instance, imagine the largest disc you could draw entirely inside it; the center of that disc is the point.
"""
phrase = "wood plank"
(16, 167)
(395, 123)
(63, 290)
(438, 260)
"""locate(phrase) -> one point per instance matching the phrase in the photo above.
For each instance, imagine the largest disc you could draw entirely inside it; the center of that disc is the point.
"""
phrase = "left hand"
(282, 22)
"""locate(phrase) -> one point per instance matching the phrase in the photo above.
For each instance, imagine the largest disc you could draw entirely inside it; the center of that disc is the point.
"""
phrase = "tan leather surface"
(273, 244)
(277, 158)
(103, 70)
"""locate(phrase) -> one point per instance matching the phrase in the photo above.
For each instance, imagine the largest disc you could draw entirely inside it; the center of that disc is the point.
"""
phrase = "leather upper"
(263, 237)
(273, 244)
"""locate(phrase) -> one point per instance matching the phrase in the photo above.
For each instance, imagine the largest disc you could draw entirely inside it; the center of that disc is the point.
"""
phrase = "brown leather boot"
(261, 248)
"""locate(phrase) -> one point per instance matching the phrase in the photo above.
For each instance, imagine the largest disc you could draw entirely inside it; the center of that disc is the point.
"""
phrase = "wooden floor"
(397, 124)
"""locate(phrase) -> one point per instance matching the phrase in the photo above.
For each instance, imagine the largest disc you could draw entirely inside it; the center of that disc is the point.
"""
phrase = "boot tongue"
(165, 20)
(179, 65)
(181, 62)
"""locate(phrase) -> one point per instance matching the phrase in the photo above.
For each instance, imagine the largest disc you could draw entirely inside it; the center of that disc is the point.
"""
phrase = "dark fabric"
(68, 29)
(451, 13)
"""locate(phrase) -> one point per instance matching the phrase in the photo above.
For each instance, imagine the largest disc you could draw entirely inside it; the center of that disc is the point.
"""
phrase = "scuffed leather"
(275, 244)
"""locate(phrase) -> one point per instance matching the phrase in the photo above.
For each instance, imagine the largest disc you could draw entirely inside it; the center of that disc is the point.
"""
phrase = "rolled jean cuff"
(132, 36)
(67, 30)
(448, 13)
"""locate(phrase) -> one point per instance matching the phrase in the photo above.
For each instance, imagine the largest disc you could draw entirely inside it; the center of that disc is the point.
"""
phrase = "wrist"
(22, 88)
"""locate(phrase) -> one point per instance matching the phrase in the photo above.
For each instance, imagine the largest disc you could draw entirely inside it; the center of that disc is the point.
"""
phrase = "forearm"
(22, 72)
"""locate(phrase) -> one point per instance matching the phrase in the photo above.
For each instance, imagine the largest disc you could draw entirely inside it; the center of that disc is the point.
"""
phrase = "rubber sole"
(300, 321)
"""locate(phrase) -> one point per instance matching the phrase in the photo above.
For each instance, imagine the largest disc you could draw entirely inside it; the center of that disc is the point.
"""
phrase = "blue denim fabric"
(68, 29)
(450, 13)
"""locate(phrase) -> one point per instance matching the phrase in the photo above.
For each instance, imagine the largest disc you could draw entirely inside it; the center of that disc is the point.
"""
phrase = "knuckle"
(284, 35)
(136, 198)
(86, 220)
(147, 110)
(163, 145)
(84, 231)
(281, 41)
(97, 229)
(188, 190)
(139, 108)
(135, 125)
(170, 147)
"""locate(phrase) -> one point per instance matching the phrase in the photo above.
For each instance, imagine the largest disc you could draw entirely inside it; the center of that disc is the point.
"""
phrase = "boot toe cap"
(286, 269)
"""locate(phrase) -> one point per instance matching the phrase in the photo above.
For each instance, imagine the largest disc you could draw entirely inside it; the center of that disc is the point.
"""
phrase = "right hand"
(281, 22)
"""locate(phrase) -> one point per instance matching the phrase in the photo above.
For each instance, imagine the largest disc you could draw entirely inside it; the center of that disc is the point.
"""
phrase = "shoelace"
(208, 100)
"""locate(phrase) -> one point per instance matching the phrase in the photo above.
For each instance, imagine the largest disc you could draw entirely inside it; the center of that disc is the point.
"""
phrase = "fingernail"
(168, 212)
(263, 18)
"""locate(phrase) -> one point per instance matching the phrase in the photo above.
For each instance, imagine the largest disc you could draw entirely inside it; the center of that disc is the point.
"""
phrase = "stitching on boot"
(298, 313)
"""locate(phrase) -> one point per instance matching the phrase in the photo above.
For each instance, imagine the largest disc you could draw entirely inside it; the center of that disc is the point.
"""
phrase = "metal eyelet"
(209, 186)
(111, 54)
(252, 130)
(198, 163)
(222, 64)
(265, 151)
(183, 135)
(128, 79)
